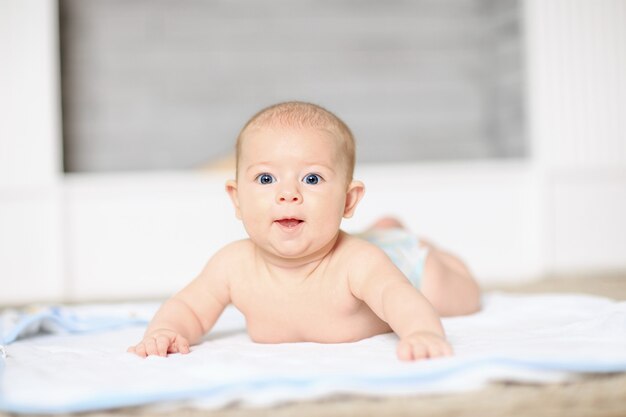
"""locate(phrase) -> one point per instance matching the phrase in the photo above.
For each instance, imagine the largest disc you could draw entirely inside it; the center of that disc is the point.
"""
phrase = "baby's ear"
(231, 189)
(355, 193)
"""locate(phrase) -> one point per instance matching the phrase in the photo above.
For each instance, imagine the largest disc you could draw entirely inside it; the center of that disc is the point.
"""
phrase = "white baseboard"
(31, 251)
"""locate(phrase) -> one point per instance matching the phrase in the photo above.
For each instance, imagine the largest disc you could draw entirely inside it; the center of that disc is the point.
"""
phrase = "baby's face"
(291, 190)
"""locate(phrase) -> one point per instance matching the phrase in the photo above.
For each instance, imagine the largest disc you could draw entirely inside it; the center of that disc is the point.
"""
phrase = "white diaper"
(404, 250)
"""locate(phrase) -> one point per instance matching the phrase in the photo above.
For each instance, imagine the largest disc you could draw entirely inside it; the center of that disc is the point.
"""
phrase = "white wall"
(484, 211)
(576, 65)
(142, 235)
(29, 102)
(31, 250)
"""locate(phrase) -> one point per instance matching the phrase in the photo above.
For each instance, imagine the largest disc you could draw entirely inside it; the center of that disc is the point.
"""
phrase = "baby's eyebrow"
(261, 166)
(258, 165)
(318, 165)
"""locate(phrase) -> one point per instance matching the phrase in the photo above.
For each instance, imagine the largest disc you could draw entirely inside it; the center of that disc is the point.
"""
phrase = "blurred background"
(166, 85)
(496, 129)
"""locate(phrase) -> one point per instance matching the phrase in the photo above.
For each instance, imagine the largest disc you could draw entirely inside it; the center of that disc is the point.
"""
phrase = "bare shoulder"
(232, 256)
(217, 275)
(236, 249)
(355, 247)
(367, 263)
(361, 254)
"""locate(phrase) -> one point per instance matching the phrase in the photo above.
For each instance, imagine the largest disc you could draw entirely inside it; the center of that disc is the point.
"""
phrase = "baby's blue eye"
(265, 179)
(312, 179)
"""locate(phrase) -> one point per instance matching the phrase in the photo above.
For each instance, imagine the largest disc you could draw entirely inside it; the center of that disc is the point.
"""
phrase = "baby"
(298, 277)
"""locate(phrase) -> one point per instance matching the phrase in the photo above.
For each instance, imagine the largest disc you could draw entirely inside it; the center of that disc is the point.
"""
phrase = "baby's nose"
(289, 196)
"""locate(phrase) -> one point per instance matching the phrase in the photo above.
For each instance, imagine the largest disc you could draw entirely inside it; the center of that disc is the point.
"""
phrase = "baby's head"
(301, 115)
(294, 179)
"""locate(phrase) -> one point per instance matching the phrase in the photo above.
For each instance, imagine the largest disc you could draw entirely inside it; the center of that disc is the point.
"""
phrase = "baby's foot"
(387, 223)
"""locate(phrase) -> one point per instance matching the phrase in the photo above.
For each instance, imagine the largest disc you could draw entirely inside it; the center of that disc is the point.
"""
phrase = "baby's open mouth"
(289, 223)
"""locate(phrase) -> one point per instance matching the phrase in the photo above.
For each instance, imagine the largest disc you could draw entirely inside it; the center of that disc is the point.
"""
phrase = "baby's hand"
(423, 345)
(160, 342)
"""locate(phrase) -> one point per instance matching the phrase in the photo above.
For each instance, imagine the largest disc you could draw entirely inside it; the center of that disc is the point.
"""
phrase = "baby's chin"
(297, 251)
(292, 252)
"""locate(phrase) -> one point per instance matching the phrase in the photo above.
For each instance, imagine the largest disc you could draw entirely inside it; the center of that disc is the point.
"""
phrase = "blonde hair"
(297, 114)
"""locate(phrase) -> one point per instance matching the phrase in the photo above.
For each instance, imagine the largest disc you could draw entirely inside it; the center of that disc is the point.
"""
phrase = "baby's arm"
(391, 296)
(187, 316)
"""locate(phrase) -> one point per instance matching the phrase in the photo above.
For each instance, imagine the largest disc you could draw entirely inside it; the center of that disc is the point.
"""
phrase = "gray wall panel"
(168, 84)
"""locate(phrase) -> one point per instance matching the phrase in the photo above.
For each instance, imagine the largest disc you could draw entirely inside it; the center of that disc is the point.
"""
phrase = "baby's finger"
(403, 351)
(435, 351)
(179, 345)
(151, 347)
(140, 350)
(442, 349)
(419, 351)
(162, 344)
(182, 345)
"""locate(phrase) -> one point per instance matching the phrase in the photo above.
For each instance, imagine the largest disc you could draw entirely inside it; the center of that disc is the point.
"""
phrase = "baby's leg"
(446, 281)
(448, 284)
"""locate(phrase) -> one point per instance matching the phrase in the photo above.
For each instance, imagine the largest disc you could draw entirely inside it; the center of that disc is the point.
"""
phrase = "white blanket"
(82, 365)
